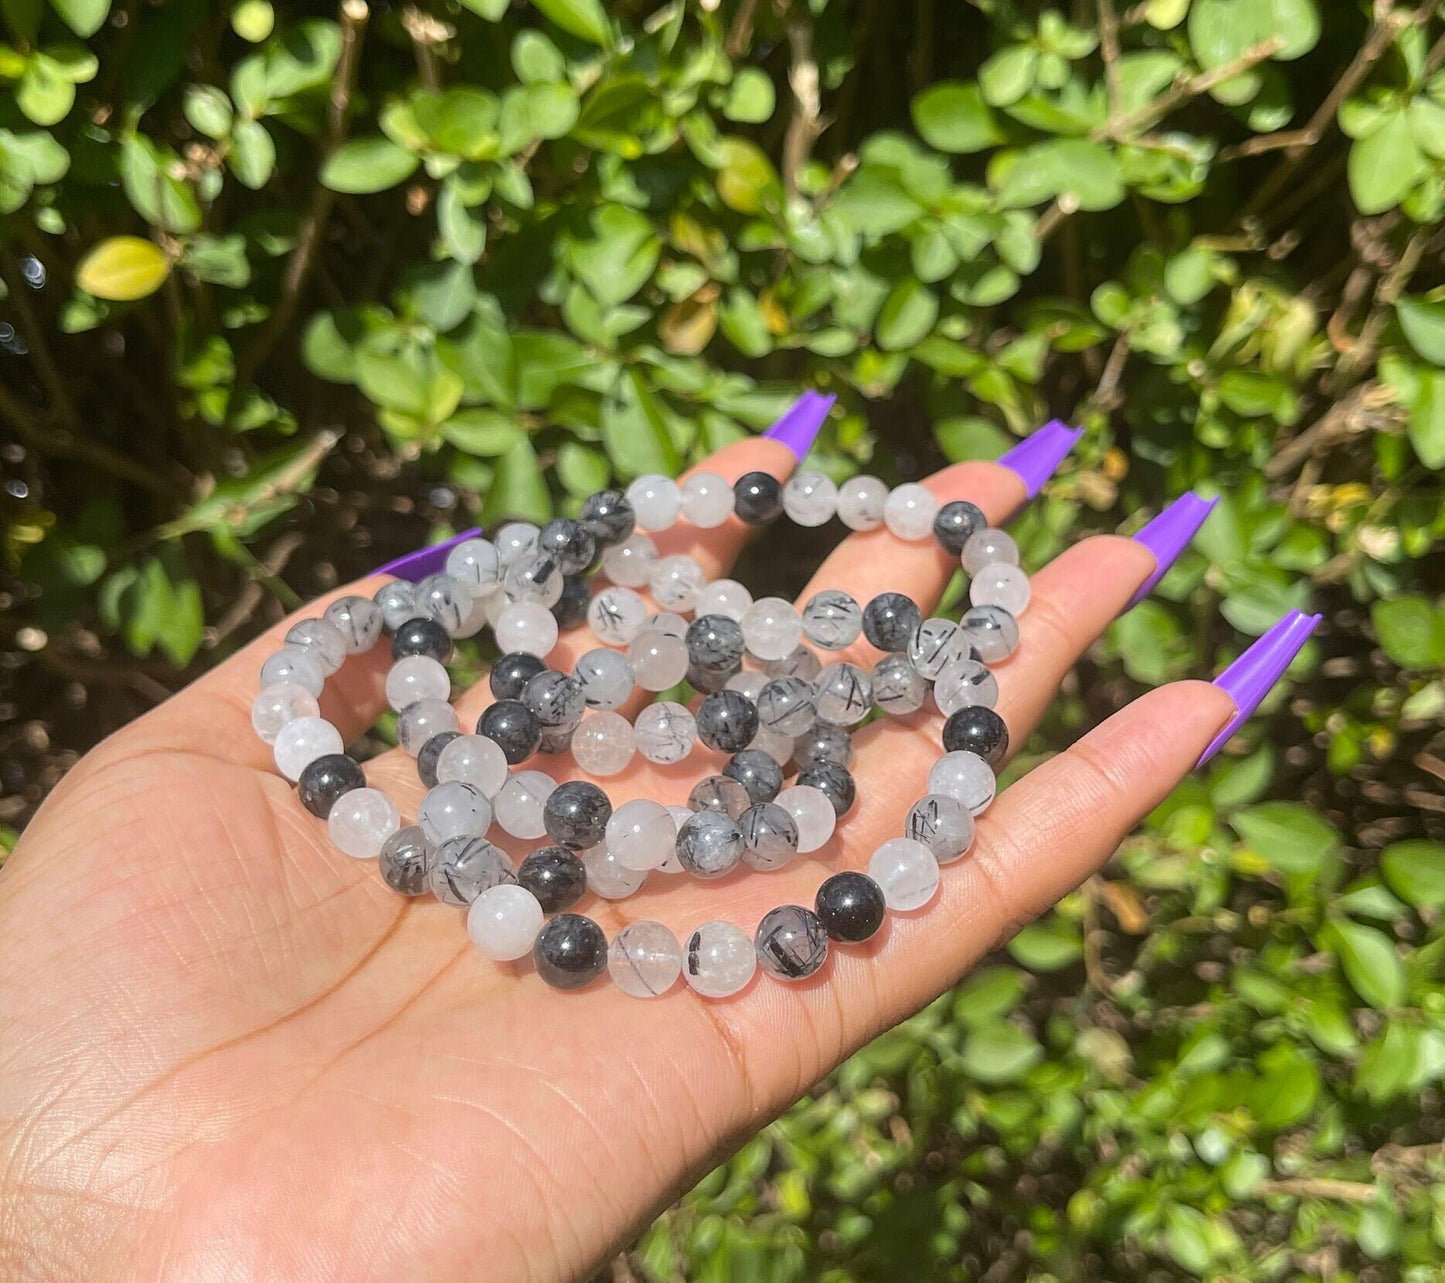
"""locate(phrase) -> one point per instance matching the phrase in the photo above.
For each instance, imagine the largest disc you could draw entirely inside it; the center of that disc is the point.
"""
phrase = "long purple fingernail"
(432, 560)
(801, 423)
(1168, 534)
(1252, 676)
(1035, 459)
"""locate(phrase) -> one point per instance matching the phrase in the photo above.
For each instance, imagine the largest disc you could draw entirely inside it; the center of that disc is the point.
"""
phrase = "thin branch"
(740, 34)
(805, 122)
(1321, 1187)
(1109, 46)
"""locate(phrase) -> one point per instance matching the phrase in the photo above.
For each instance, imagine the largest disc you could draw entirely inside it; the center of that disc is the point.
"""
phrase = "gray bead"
(757, 772)
(715, 642)
(405, 859)
(834, 782)
(799, 663)
(890, 620)
(942, 823)
(360, 621)
(898, 687)
(444, 599)
(606, 677)
(993, 631)
(832, 619)
(397, 601)
(464, 867)
(556, 698)
(933, 645)
(770, 836)
(571, 543)
(709, 844)
(576, 814)
(786, 706)
(719, 793)
(727, 721)
(556, 739)
(844, 694)
(824, 742)
(791, 942)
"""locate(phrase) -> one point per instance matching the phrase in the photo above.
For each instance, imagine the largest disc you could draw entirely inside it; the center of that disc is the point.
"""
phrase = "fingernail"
(1253, 675)
(1035, 459)
(1168, 534)
(800, 425)
(431, 560)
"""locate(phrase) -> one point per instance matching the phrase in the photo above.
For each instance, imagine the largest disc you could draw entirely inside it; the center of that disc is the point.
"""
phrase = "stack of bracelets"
(527, 584)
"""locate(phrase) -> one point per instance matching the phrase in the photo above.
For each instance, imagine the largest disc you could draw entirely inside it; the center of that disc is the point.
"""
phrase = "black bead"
(515, 728)
(422, 637)
(758, 498)
(833, 781)
(756, 771)
(570, 951)
(850, 906)
(715, 643)
(512, 672)
(325, 779)
(823, 743)
(727, 721)
(570, 609)
(555, 876)
(573, 546)
(977, 730)
(608, 517)
(426, 760)
(956, 523)
(576, 814)
(706, 681)
(890, 620)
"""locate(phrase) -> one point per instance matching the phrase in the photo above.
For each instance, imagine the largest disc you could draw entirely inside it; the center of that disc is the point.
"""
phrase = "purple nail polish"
(1251, 677)
(1036, 457)
(801, 423)
(432, 560)
(1168, 534)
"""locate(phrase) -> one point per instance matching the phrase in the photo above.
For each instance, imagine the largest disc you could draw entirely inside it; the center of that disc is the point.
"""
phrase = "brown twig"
(805, 122)
(740, 34)
(250, 596)
(426, 33)
(1109, 47)
(1320, 1187)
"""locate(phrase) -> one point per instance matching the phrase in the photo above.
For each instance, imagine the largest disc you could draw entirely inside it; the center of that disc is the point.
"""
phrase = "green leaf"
(999, 1052)
(953, 117)
(618, 258)
(302, 57)
(1222, 31)
(221, 260)
(367, 165)
(44, 93)
(123, 268)
(461, 121)
(634, 429)
(253, 20)
(1423, 321)
(463, 233)
(582, 469)
(1411, 631)
(1416, 872)
(1370, 961)
(84, 17)
(1050, 945)
(535, 59)
(441, 294)
(908, 313)
(518, 489)
(1289, 836)
(147, 173)
(750, 97)
(482, 432)
(1008, 75)
(585, 19)
(208, 110)
(746, 180)
(1287, 1089)
(1384, 167)
(252, 157)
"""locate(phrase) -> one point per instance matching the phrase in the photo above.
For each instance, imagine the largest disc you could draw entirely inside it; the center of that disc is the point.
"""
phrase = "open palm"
(226, 1050)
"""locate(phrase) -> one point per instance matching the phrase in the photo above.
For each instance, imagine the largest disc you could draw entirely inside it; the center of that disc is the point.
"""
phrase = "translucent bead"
(680, 816)
(476, 563)
(659, 660)
(826, 743)
(297, 665)
(616, 616)
(641, 833)
(361, 821)
(665, 732)
(810, 498)
(724, 597)
(607, 517)
(359, 621)
(301, 741)
(965, 776)
(943, 824)
(748, 682)
(758, 772)
(415, 677)
(556, 876)
(861, 501)
(418, 722)
(727, 721)
(992, 631)
(834, 782)
(832, 619)
(656, 500)
(607, 876)
(604, 743)
(528, 626)
(709, 844)
(444, 599)
(786, 706)
(772, 628)
(606, 677)
(645, 959)
(405, 858)
(276, 705)
(989, 547)
(534, 577)
(474, 760)
(323, 639)
(844, 694)
(676, 581)
(770, 836)
(570, 543)
(503, 922)
(811, 812)
(515, 540)
(907, 873)
(479, 614)
(707, 500)
(667, 624)
(518, 807)
(778, 747)
(801, 663)
(715, 644)
(909, 511)
(462, 868)
(898, 687)
(397, 601)
(453, 810)
(556, 698)
(1000, 585)
(964, 683)
(719, 959)
(890, 619)
(791, 942)
(719, 793)
(629, 564)
(932, 646)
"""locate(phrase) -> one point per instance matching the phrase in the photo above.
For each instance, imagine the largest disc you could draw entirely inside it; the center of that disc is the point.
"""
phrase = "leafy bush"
(287, 291)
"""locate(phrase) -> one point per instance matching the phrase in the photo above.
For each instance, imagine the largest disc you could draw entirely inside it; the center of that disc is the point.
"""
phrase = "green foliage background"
(293, 289)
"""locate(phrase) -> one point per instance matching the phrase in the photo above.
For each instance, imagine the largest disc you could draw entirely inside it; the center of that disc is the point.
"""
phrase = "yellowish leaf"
(123, 268)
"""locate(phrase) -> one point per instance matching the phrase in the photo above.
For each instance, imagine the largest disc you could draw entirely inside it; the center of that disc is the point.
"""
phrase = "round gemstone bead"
(778, 747)
(832, 619)
(555, 739)
(608, 876)
(453, 810)
(1001, 585)
(890, 620)
(296, 665)
(943, 824)
(992, 631)
(666, 623)
(430, 755)
(604, 743)
(444, 599)
(629, 564)
(727, 721)
(758, 498)
(989, 547)
(680, 816)
(906, 872)
(715, 643)
(965, 776)
(843, 694)
(909, 511)
(324, 781)
(576, 814)
(479, 615)
(405, 859)
(758, 772)
(569, 542)
(824, 742)
(606, 678)
(933, 645)
(519, 806)
(361, 821)
(709, 844)
(676, 581)
(570, 609)
(772, 628)
(748, 682)
(834, 782)
(526, 625)
(477, 564)
(570, 951)
(556, 698)
(534, 578)
(645, 959)
(707, 500)
(810, 498)
(964, 683)
(791, 942)
(397, 601)
(898, 687)
(719, 793)
(323, 639)
(786, 706)
(608, 517)
(514, 541)
(511, 673)
(656, 501)
(706, 681)
(301, 741)
(418, 722)
(463, 867)
(850, 906)
(801, 663)
(659, 660)
(278, 704)
(977, 730)
(641, 833)
(503, 922)
(616, 615)
(812, 812)
(421, 637)
(770, 836)
(513, 726)
(665, 732)
(359, 621)
(861, 501)
(416, 677)
(724, 597)
(719, 959)
(555, 876)
(477, 760)
(956, 523)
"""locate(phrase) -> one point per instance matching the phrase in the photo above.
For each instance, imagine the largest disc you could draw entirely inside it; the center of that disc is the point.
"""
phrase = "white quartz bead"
(992, 631)
(446, 600)
(479, 614)
(666, 624)
(297, 665)
(933, 646)
(513, 541)
(680, 816)
(989, 547)
(772, 628)
(644, 959)
(719, 959)
(616, 615)
(861, 501)
(943, 824)
(659, 660)
(359, 620)
(832, 619)
(801, 663)
(476, 760)
(415, 677)
(965, 683)
(707, 500)
(606, 676)
(656, 500)
(360, 822)
(665, 732)
(724, 597)
(910, 510)
(397, 601)
(276, 705)
(476, 563)
(503, 922)
(418, 722)
(907, 873)
(1001, 585)
(534, 577)
(603, 743)
(629, 564)
(323, 639)
(518, 807)
(676, 582)
(778, 747)
(453, 809)
(811, 812)
(642, 833)
(965, 776)
(301, 741)
(748, 682)
(526, 626)
(810, 498)
(607, 876)
(844, 694)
